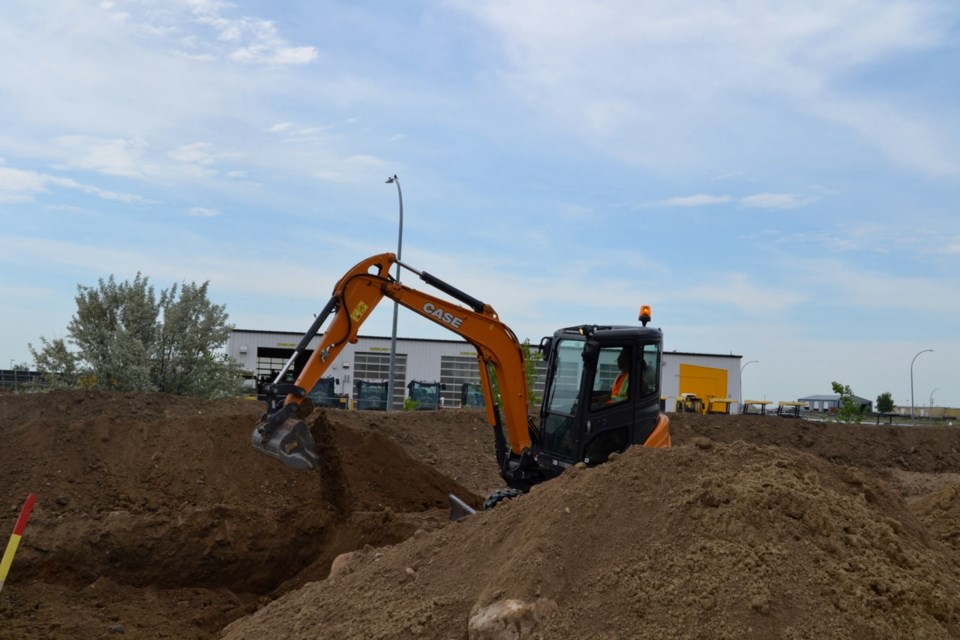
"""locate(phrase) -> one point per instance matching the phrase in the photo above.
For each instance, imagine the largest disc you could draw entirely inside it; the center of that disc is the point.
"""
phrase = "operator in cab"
(621, 384)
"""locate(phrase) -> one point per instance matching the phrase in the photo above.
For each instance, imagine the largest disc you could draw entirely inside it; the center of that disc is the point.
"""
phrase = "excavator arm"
(281, 431)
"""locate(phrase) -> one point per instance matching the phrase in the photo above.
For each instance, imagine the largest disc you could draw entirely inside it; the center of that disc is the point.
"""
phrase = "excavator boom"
(281, 431)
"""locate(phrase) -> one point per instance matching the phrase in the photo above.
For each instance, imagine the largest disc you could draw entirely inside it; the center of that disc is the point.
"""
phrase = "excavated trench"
(179, 501)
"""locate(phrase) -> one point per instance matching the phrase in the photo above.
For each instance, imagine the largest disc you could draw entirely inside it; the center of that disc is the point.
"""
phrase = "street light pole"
(393, 336)
(912, 409)
(741, 382)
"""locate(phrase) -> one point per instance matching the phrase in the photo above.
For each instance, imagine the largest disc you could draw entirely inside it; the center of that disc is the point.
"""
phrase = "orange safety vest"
(619, 389)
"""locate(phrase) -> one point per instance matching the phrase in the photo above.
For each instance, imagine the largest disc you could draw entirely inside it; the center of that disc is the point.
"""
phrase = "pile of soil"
(155, 518)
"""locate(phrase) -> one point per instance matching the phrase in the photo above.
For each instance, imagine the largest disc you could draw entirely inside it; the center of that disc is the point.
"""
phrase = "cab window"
(611, 382)
(650, 370)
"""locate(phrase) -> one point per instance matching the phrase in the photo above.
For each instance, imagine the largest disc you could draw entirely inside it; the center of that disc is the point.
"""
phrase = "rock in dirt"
(508, 620)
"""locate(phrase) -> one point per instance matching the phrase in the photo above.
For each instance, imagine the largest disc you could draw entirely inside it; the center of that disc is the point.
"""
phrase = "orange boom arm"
(357, 294)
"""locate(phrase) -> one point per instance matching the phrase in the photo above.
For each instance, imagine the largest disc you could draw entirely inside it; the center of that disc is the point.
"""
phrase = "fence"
(15, 379)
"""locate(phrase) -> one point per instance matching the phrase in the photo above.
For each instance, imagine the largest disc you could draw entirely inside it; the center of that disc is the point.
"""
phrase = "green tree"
(60, 367)
(128, 339)
(530, 373)
(113, 330)
(849, 410)
(885, 402)
(193, 329)
(530, 360)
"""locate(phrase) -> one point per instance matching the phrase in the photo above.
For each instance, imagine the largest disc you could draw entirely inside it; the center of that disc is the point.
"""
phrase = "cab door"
(559, 416)
(612, 389)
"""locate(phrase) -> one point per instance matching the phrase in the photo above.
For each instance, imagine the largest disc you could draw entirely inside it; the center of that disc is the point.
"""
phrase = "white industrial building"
(452, 362)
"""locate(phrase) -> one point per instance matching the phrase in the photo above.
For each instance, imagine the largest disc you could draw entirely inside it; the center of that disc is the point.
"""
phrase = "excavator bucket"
(289, 441)
(459, 509)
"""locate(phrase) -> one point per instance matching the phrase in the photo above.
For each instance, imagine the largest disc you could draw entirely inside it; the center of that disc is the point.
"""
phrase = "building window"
(375, 367)
(454, 372)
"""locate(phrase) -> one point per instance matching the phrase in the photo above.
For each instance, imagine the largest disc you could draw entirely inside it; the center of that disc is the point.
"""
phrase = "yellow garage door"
(705, 382)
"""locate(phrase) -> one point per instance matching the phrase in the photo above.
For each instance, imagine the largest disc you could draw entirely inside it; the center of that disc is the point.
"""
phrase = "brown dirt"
(156, 519)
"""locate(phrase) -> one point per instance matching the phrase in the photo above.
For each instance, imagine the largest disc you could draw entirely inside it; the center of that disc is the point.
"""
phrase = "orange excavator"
(579, 421)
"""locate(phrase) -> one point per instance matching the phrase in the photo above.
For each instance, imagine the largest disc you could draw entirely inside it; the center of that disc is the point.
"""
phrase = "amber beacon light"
(645, 314)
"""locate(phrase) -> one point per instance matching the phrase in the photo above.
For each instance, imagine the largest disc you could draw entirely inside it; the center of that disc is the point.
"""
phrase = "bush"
(128, 339)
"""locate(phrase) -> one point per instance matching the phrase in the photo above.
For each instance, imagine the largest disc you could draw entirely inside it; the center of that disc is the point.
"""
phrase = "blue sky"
(778, 180)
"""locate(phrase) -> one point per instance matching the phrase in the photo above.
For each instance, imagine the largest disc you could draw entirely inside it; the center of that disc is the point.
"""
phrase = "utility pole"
(741, 382)
(913, 415)
(393, 336)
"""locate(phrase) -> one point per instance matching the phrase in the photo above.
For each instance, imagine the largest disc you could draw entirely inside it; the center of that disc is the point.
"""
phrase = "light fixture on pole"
(741, 382)
(393, 336)
(935, 389)
(912, 410)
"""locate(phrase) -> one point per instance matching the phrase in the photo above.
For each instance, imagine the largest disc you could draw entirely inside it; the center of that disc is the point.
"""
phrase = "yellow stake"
(15, 538)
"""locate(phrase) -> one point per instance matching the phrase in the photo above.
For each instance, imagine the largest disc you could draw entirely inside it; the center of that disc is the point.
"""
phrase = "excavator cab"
(471, 395)
(323, 393)
(602, 393)
(425, 395)
(371, 396)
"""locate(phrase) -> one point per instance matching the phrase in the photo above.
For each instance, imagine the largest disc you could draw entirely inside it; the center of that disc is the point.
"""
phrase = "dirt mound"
(376, 472)
(920, 449)
(156, 518)
(458, 443)
(940, 512)
(739, 539)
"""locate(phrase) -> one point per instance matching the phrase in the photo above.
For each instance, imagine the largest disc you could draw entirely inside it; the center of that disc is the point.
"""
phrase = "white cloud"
(951, 248)
(699, 200)
(775, 201)
(755, 201)
(275, 55)
(688, 83)
(279, 127)
(17, 185)
(739, 291)
(897, 240)
(197, 159)
(112, 156)
(251, 40)
(20, 186)
(864, 289)
(350, 169)
(203, 212)
(911, 139)
(128, 198)
(195, 153)
(24, 292)
(240, 274)
(726, 176)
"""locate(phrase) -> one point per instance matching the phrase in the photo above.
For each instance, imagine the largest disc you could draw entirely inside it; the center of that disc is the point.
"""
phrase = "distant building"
(937, 413)
(831, 403)
(452, 363)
